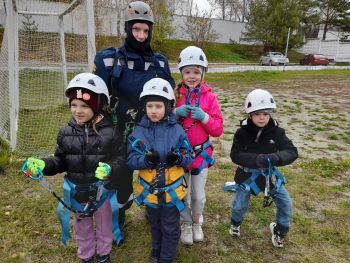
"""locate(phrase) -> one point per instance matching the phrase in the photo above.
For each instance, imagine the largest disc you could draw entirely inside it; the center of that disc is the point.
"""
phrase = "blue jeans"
(283, 203)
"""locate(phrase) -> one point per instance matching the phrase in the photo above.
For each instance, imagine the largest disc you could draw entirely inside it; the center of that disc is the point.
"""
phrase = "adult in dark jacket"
(89, 149)
(126, 70)
(258, 144)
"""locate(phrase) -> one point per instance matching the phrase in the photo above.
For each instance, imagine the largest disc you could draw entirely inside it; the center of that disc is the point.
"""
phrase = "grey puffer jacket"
(80, 149)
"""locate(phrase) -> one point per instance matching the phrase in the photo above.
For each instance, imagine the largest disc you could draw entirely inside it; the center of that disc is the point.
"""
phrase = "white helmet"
(259, 99)
(158, 87)
(139, 10)
(90, 82)
(192, 56)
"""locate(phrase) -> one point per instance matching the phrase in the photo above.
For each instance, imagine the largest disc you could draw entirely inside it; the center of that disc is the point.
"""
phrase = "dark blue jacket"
(163, 137)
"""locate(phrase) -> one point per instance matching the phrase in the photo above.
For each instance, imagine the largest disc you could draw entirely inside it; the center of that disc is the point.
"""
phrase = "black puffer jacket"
(80, 149)
(248, 143)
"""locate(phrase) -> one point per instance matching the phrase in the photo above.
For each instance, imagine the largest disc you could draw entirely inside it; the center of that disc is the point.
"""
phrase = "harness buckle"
(267, 202)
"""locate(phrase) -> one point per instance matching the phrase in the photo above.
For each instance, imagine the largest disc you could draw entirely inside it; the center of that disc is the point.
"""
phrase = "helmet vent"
(92, 82)
(249, 105)
(137, 12)
(271, 100)
(165, 89)
(201, 58)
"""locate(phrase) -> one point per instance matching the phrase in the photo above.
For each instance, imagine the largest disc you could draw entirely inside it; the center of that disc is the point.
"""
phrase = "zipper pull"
(87, 133)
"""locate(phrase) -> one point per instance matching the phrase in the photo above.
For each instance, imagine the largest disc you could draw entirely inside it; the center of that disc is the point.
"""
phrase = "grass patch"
(319, 209)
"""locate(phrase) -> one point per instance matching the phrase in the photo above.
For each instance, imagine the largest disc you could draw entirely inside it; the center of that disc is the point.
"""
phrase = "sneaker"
(235, 231)
(277, 238)
(198, 235)
(186, 234)
(89, 260)
(153, 259)
(103, 259)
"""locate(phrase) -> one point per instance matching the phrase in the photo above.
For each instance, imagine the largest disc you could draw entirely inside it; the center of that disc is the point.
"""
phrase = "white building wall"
(227, 30)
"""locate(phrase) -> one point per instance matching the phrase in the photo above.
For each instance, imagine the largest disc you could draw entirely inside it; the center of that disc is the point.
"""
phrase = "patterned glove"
(182, 111)
(35, 164)
(198, 114)
(102, 171)
(173, 158)
(262, 160)
(152, 158)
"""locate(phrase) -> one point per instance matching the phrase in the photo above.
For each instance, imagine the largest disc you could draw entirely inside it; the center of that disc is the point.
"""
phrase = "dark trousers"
(165, 231)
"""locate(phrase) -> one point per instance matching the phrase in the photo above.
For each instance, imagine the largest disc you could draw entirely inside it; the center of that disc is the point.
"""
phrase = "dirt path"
(315, 115)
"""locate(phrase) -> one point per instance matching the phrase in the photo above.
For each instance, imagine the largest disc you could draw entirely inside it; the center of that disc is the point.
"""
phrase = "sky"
(202, 4)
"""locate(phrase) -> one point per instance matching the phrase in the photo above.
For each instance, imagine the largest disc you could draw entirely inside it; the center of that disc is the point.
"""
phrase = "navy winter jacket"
(162, 137)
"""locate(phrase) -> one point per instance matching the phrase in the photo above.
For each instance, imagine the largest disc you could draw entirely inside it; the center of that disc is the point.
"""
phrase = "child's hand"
(102, 171)
(183, 111)
(33, 165)
(152, 158)
(173, 158)
(262, 160)
(198, 114)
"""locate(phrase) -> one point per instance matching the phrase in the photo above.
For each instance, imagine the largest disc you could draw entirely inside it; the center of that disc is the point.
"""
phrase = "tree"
(162, 28)
(269, 22)
(200, 28)
(236, 10)
(29, 24)
(333, 13)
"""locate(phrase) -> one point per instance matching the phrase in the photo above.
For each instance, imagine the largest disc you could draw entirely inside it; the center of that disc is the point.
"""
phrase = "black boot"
(89, 260)
(103, 259)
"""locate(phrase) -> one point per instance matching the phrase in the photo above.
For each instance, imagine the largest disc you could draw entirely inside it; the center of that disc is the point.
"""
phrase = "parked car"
(273, 58)
(314, 59)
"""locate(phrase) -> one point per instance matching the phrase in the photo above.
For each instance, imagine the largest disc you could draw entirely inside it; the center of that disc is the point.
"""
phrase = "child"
(88, 150)
(159, 148)
(199, 113)
(259, 145)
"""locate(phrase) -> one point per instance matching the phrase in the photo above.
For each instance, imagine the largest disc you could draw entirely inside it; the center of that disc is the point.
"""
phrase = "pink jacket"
(199, 132)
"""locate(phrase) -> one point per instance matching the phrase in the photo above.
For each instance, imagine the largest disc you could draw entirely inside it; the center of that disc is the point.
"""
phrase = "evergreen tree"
(29, 24)
(269, 22)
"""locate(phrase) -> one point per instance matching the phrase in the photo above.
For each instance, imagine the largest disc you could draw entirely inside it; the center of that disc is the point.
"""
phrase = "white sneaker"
(186, 234)
(235, 231)
(277, 239)
(198, 235)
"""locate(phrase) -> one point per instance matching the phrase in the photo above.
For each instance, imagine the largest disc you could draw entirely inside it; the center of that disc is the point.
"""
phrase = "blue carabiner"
(137, 143)
(28, 174)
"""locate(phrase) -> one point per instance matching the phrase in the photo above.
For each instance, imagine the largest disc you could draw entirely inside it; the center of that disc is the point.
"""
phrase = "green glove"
(102, 171)
(35, 164)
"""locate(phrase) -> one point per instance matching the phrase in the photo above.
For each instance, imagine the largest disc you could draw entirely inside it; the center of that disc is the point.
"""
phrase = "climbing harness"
(130, 125)
(69, 204)
(199, 150)
(169, 195)
(273, 178)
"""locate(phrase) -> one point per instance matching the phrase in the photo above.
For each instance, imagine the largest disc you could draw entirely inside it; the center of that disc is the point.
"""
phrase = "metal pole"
(12, 46)
(286, 52)
(89, 8)
(63, 52)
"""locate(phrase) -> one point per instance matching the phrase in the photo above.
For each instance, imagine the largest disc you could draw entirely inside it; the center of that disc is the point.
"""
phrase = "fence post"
(12, 47)
(89, 5)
